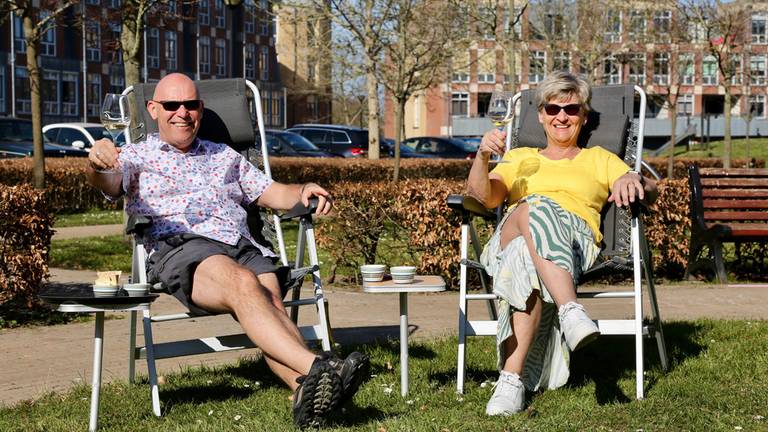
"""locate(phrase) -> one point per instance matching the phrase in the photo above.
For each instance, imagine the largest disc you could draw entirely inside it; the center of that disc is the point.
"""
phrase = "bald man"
(195, 191)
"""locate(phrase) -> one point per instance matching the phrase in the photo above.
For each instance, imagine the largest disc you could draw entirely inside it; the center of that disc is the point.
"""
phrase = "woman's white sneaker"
(578, 328)
(508, 396)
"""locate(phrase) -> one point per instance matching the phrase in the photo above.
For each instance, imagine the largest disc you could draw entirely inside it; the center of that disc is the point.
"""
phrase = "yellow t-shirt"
(580, 185)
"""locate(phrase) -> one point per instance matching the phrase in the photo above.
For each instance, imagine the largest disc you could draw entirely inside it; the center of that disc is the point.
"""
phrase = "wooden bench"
(727, 205)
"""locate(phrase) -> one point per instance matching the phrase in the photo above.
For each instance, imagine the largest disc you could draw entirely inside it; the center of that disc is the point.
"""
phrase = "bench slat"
(747, 229)
(733, 172)
(734, 182)
(735, 204)
(735, 193)
(734, 216)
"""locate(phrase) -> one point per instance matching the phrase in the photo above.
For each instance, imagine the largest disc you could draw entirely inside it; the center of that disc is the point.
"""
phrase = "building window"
(555, 26)
(116, 80)
(561, 61)
(153, 47)
(486, 66)
(636, 25)
(460, 104)
(2, 91)
(487, 21)
(637, 69)
(612, 32)
(205, 55)
(172, 7)
(662, 23)
(612, 71)
(757, 106)
(460, 76)
(94, 94)
(23, 92)
(264, 63)
(114, 4)
(759, 29)
(203, 13)
(49, 93)
(661, 68)
(757, 69)
(250, 17)
(220, 57)
(219, 14)
(250, 61)
(709, 71)
(69, 93)
(19, 43)
(48, 39)
(264, 25)
(93, 41)
(93, 2)
(685, 105)
(171, 53)
(276, 111)
(685, 64)
(736, 70)
(537, 67)
(311, 71)
(117, 52)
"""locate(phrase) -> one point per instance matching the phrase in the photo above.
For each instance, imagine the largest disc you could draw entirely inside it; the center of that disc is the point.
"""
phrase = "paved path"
(41, 359)
(87, 231)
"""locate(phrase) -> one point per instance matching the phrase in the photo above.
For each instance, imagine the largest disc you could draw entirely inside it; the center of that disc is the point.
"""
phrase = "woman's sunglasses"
(570, 109)
(192, 104)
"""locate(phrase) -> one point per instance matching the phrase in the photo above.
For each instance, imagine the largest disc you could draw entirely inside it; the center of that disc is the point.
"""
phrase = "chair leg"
(717, 252)
(658, 329)
(461, 367)
(693, 256)
(151, 367)
(132, 348)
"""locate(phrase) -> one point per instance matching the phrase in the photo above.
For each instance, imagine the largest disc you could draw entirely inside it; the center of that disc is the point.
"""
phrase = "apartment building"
(648, 44)
(81, 60)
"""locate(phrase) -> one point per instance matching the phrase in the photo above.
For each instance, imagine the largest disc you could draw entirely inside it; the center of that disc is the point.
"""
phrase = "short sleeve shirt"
(203, 191)
(579, 185)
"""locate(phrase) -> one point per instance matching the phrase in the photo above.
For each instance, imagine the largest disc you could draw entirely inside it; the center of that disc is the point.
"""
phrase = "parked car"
(16, 141)
(438, 147)
(78, 135)
(282, 143)
(406, 152)
(344, 141)
(474, 141)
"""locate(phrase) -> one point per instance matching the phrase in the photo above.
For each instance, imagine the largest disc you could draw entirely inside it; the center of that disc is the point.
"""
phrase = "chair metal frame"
(641, 266)
(305, 245)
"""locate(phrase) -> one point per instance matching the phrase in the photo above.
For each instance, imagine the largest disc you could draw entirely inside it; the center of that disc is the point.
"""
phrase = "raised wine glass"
(115, 116)
(501, 111)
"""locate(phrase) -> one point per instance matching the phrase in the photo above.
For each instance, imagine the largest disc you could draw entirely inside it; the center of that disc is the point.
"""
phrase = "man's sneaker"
(353, 371)
(318, 394)
(578, 328)
(508, 396)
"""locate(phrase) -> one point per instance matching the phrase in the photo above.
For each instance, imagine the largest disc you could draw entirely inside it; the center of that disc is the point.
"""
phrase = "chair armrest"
(137, 224)
(466, 203)
(299, 210)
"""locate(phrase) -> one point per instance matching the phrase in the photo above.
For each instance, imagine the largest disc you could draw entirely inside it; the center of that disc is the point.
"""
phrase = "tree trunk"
(672, 138)
(130, 42)
(373, 116)
(399, 110)
(38, 157)
(727, 137)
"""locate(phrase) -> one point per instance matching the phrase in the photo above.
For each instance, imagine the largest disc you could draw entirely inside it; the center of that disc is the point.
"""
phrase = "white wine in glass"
(500, 111)
(115, 115)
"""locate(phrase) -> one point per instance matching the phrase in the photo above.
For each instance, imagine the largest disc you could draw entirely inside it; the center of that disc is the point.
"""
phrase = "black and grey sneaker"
(353, 371)
(318, 394)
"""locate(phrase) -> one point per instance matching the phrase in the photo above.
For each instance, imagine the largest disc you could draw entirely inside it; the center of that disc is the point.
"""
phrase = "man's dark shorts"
(176, 258)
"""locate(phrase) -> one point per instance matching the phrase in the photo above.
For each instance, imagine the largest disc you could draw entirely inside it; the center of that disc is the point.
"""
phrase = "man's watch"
(642, 179)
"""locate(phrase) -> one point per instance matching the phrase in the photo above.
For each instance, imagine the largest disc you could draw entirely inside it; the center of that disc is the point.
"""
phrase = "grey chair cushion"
(226, 119)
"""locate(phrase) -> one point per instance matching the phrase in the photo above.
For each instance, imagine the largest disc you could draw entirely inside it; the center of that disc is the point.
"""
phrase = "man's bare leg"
(222, 285)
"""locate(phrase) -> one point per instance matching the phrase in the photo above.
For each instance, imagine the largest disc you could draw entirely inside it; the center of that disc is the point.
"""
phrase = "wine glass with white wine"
(501, 111)
(115, 116)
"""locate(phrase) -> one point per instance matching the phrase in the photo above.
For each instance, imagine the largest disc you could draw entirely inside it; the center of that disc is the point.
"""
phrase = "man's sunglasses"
(191, 105)
(570, 109)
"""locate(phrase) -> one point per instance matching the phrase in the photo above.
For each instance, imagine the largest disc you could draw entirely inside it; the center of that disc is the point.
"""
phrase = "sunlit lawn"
(757, 148)
(717, 383)
(93, 217)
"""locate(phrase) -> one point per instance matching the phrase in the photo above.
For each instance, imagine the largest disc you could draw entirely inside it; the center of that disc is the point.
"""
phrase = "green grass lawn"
(94, 217)
(758, 149)
(717, 383)
(92, 253)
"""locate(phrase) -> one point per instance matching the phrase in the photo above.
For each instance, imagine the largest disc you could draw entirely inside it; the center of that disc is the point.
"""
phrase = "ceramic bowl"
(403, 274)
(105, 290)
(137, 289)
(373, 272)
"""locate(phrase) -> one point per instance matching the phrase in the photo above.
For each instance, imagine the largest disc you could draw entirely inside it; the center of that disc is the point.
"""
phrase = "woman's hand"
(493, 142)
(626, 188)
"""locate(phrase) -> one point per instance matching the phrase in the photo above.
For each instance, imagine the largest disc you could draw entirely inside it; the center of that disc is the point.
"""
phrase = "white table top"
(421, 283)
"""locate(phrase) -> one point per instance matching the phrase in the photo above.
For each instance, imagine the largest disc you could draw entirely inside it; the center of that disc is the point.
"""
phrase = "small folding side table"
(420, 284)
(80, 298)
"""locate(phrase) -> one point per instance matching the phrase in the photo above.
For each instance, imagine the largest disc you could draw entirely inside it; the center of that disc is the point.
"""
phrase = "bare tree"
(724, 25)
(418, 54)
(37, 19)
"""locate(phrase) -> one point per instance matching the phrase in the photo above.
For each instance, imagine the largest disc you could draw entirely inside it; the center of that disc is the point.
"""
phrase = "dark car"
(438, 147)
(282, 143)
(344, 141)
(16, 141)
(407, 152)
